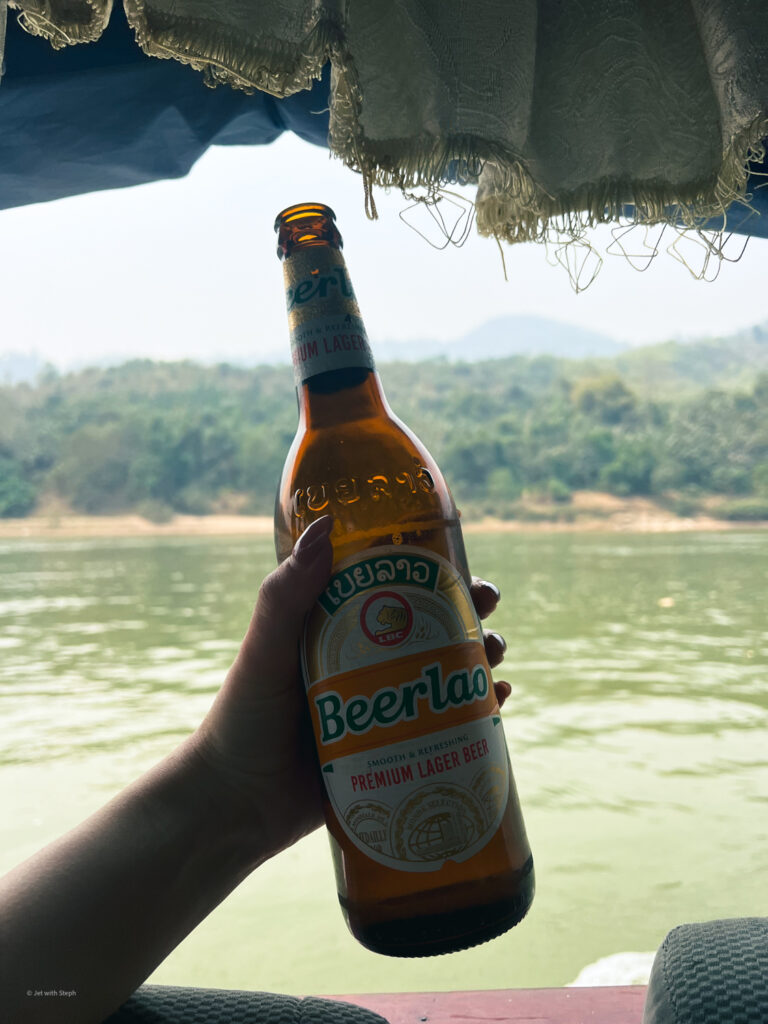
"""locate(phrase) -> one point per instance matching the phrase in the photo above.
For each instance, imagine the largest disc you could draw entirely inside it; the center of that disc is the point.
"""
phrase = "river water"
(637, 727)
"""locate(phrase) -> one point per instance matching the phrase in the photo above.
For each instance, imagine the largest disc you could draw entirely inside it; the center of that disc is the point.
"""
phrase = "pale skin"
(96, 911)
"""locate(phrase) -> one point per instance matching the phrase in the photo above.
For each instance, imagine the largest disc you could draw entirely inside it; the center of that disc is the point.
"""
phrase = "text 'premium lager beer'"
(427, 836)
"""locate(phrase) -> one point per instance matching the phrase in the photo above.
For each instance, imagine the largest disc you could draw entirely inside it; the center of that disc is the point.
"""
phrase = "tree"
(17, 495)
(96, 467)
(606, 399)
(631, 470)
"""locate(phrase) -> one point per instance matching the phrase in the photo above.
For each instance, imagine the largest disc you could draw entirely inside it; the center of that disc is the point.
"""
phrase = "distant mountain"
(663, 370)
(666, 370)
(507, 336)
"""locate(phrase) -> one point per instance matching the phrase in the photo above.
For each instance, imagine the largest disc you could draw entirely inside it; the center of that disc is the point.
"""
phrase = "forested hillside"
(160, 438)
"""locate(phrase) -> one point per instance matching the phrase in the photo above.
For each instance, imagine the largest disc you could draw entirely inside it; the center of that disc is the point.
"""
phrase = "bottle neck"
(326, 329)
(351, 394)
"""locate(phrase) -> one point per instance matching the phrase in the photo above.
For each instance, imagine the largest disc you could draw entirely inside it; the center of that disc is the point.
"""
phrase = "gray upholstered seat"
(167, 1004)
(711, 973)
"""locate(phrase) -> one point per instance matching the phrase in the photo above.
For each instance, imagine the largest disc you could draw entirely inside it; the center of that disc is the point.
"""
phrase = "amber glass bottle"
(428, 841)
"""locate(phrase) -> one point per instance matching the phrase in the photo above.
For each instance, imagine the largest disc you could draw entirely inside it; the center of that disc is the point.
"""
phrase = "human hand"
(257, 740)
(485, 597)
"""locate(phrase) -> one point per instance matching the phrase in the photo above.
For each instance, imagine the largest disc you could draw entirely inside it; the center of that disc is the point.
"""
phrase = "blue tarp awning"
(104, 115)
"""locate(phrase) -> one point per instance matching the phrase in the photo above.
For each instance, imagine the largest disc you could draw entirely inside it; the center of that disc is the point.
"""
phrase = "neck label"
(326, 329)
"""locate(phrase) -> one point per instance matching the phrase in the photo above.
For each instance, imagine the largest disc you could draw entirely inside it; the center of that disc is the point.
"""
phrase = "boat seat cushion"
(714, 972)
(169, 1004)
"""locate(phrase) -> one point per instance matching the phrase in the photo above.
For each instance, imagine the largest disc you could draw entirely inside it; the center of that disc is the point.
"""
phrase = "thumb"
(285, 597)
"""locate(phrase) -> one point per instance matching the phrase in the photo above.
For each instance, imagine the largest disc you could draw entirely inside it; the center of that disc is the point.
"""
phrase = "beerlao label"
(406, 720)
(326, 329)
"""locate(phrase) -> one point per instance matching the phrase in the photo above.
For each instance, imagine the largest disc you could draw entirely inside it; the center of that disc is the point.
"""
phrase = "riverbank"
(586, 512)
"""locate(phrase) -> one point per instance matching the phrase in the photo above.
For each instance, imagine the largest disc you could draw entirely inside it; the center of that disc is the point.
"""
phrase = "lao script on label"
(406, 720)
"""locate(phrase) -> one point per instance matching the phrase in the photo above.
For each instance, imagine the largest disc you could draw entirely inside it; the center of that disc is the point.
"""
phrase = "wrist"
(195, 797)
(268, 806)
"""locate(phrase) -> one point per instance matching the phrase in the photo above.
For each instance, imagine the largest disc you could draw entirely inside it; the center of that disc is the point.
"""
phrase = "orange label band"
(360, 710)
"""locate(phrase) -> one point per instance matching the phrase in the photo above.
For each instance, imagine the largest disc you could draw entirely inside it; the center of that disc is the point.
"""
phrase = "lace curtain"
(565, 113)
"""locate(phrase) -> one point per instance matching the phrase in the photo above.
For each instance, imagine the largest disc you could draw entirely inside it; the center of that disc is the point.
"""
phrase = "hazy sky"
(187, 268)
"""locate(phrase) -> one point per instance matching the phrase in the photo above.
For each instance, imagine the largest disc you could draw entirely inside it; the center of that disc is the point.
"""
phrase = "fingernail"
(311, 541)
(500, 639)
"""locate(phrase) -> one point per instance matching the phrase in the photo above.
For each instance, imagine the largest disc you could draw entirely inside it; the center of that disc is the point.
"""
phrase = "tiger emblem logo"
(391, 617)
(387, 618)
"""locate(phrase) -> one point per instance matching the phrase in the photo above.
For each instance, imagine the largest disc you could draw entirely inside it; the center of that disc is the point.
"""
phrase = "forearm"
(97, 910)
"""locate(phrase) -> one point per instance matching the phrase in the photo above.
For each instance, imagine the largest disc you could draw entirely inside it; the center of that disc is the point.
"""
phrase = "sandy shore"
(69, 526)
(627, 517)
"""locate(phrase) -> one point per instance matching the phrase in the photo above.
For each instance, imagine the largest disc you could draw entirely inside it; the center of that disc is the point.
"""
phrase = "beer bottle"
(428, 841)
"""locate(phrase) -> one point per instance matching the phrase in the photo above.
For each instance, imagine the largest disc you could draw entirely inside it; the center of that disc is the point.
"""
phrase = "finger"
(495, 647)
(503, 690)
(485, 596)
(285, 597)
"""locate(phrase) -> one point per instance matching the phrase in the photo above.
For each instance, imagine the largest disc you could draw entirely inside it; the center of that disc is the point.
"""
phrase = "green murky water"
(638, 727)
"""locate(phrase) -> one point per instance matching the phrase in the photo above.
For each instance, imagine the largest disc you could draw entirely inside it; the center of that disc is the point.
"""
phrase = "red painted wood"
(608, 1005)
